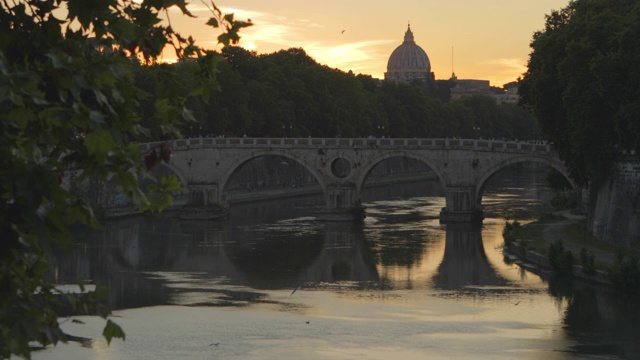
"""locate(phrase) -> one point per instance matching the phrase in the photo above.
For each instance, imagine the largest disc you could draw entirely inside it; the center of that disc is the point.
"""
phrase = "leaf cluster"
(70, 115)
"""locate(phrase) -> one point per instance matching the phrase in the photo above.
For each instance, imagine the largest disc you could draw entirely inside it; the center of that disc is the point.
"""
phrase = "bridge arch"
(239, 163)
(554, 163)
(366, 169)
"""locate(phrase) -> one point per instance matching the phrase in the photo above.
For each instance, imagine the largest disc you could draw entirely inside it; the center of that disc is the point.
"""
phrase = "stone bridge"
(341, 166)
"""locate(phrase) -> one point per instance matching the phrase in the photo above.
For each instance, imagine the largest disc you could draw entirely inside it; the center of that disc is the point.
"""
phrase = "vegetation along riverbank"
(560, 244)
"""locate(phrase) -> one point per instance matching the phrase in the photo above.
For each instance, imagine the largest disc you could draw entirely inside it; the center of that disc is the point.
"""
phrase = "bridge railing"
(391, 143)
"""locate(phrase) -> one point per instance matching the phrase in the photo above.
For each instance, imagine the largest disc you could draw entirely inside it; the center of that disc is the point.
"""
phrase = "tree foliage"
(70, 105)
(582, 83)
(287, 93)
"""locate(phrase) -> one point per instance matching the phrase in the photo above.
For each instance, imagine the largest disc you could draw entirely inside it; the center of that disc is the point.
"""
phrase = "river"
(272, 283)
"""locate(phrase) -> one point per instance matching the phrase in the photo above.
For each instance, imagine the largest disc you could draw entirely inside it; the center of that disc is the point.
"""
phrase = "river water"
(272, 283)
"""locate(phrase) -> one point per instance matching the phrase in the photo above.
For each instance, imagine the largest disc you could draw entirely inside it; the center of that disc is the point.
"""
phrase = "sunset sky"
(490, 38)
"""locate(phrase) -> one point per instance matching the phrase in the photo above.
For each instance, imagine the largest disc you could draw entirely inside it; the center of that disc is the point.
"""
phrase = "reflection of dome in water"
(408, 62)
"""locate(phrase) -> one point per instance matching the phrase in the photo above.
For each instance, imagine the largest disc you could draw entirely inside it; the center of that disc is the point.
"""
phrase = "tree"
(581, 84)
(69, 105)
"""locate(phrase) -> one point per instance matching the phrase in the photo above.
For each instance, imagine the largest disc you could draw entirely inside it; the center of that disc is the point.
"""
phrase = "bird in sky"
(343, 31)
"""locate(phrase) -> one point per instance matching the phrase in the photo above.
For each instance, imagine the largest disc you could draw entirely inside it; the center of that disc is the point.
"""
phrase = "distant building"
(408, 62)
(510, 96)
(465, 87)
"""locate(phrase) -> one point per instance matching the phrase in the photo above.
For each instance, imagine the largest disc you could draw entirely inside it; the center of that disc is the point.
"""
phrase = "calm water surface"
(272, 283)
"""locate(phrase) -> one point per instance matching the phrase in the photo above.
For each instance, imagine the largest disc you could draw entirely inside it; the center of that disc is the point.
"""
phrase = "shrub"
(564, 201)
(560, 260)
(625, 273)
(509, 232)
(587, 259)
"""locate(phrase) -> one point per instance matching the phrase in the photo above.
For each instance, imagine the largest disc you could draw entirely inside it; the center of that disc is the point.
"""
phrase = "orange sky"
(490, 38)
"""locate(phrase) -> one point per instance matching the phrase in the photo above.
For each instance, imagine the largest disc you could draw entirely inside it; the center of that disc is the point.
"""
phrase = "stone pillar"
(203, 195)
(343, 204)
(204, 203)
(461, 205)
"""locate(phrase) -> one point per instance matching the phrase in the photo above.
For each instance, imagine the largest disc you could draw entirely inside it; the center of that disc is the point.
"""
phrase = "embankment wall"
(615, 215)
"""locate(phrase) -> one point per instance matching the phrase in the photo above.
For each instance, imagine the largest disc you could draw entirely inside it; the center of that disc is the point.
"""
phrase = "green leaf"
(21, 116)
(171, 183)
(224, 39)
(113, 330)
(213, 22)
(99, 144)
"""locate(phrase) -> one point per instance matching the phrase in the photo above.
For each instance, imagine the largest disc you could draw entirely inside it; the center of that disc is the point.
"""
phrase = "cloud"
(510, 64)
(356, 56)
(504, 70)
(272, 32)
(269, 29)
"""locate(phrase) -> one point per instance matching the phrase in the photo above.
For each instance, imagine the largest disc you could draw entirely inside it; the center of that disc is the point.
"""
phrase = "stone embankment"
(616, 208)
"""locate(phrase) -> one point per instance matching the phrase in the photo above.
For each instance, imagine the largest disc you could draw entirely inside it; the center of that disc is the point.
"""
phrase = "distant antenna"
(453, 73)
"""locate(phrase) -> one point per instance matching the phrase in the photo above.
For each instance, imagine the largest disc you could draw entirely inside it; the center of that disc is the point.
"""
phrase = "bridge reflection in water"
(464, 262)
(151, 262)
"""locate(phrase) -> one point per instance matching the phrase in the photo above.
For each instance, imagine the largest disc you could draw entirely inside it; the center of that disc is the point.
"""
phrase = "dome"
(408, 61)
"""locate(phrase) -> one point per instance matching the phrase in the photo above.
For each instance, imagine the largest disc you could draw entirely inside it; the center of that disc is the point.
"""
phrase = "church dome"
(408, 61)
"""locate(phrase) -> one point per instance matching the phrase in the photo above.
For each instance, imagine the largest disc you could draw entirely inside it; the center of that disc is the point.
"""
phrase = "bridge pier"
(343, 204)
(461, 205)
(204, 203)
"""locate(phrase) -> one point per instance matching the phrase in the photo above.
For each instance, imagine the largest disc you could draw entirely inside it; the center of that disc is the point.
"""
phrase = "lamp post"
(476, 129)
(286, 130)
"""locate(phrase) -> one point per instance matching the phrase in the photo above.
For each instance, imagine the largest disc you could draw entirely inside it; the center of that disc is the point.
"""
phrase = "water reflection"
(147, 261)
(600, 321)
(278, 245)
(465, 262)
(458, 277)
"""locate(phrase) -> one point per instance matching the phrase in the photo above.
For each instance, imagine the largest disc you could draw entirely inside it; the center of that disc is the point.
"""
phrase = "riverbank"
(530, 248)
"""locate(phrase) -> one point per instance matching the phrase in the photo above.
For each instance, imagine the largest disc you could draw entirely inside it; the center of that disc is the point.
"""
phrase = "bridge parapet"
(378, 143)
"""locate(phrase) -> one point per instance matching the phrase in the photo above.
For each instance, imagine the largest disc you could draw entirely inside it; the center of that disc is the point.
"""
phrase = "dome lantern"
(408, 36)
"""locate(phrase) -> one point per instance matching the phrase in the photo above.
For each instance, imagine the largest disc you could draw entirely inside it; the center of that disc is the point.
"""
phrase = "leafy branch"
(70, 115)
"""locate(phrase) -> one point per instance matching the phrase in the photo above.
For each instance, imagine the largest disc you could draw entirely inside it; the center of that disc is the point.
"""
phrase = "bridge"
(341, 166)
